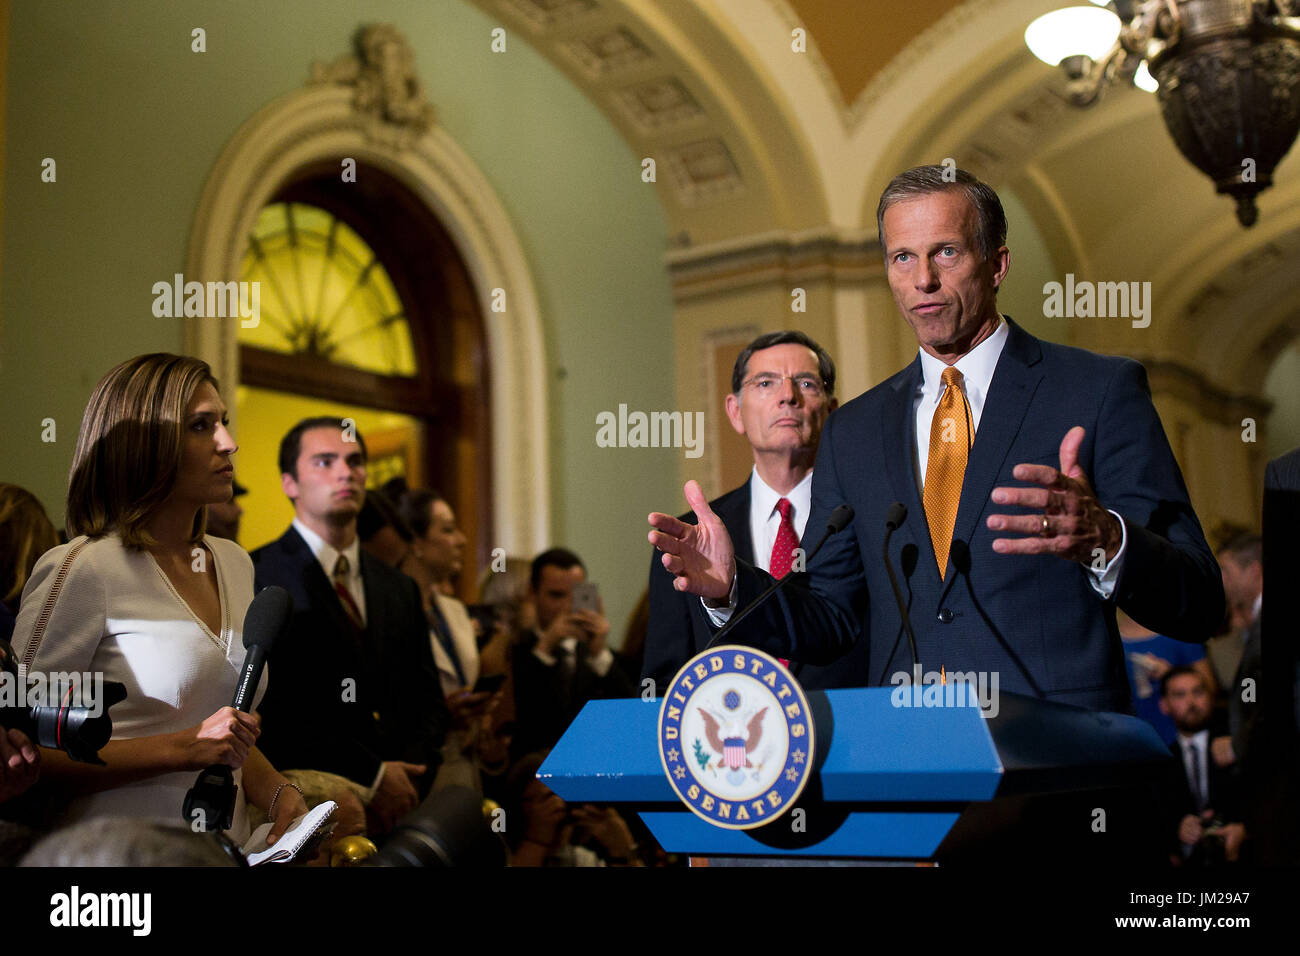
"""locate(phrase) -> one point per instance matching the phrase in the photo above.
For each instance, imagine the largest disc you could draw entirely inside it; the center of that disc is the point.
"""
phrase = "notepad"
(305, 832)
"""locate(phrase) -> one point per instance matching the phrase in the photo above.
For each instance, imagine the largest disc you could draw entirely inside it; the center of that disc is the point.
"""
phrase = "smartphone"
(486, 616)
(586, 596)
(489, 683)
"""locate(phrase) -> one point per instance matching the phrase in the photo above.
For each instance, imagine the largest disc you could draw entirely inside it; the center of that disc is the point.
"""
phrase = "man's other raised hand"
(700, 556)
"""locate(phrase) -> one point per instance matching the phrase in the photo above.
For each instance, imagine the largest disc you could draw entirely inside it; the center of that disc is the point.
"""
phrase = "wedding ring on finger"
(1044, 531)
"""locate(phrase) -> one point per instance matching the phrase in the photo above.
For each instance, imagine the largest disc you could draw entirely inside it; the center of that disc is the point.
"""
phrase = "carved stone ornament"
(388, 95)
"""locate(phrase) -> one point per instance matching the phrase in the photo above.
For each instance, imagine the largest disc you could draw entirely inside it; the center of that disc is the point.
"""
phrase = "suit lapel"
(319, 588)
(898, 453)
(1014, 382)
(736, 517)
(374, 596)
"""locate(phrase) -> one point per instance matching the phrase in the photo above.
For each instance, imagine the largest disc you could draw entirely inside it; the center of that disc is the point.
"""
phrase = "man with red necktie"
(782, 390)
(353, 689)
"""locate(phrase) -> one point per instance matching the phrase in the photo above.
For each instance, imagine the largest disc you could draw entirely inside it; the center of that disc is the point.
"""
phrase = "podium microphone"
(894, 519)
(838, 521)
(210, 803)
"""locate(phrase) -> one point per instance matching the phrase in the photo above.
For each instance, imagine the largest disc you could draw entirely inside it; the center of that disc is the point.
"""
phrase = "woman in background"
(433, 560)
(25, 534)
(147, 599)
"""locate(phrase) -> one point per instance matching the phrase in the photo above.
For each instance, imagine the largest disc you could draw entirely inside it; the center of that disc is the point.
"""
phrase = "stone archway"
(344, 112)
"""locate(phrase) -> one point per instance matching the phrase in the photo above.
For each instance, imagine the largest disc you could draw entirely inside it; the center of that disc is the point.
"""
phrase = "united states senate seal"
(736, 737)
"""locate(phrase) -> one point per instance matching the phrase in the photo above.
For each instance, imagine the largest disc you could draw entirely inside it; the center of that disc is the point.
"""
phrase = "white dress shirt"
(1198, 770)
(461, 630)
(765, 520)
(976, 367)
(328, 556)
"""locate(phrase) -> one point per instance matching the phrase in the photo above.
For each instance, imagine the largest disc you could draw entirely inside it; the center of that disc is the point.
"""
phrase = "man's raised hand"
(1070, 522)
(700, 556)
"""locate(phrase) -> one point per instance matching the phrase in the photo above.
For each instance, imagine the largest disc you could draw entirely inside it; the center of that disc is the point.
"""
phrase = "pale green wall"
(135, 120)
(1021, 296)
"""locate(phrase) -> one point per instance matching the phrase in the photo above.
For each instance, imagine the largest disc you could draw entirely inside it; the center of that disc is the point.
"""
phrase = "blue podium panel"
(877, 751)
(610, 754)
(881, 751)
(887, 835)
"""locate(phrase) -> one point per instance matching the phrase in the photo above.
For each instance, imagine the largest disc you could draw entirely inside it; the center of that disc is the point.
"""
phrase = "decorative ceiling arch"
(679, 84)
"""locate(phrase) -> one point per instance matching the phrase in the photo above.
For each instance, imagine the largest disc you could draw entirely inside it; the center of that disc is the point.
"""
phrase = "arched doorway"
(367, 311)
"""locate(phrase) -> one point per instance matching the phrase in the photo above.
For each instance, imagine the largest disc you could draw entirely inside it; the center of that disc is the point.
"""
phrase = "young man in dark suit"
(782, 389)
(353, 688)
(1040, 490)
(562, 662)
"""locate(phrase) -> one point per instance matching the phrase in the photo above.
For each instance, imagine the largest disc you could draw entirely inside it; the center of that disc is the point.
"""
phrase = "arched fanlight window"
(324, 293)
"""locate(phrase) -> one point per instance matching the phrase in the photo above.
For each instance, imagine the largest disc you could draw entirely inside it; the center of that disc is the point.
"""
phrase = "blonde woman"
(149, 600)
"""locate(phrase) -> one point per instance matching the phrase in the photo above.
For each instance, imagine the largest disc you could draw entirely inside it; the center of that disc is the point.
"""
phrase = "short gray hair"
(991, 220)
(109, 841)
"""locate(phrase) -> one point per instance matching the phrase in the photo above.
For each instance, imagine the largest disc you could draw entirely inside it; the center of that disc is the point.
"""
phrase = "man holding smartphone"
(565, 660)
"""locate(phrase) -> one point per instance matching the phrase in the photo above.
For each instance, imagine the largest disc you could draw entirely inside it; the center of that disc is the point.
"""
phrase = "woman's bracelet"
(270, 811)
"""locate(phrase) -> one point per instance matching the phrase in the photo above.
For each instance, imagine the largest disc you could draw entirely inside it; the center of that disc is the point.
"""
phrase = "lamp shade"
(1070, 31)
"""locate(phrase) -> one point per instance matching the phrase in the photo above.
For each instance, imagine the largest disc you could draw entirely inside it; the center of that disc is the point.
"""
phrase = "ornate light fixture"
(1228, 75)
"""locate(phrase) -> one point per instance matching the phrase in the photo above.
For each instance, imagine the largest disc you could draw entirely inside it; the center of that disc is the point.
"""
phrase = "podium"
(891, 782)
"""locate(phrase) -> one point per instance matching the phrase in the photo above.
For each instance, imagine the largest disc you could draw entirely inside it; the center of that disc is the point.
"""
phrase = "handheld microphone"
(894, 519)
(838, 521)
(210, 803)
(264, 622)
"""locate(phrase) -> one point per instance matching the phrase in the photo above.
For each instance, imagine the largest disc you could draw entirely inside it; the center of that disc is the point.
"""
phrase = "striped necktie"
(341, 569)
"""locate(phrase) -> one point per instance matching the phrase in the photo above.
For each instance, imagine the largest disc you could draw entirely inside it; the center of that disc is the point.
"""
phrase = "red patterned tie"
(349, 603)
(783, 548)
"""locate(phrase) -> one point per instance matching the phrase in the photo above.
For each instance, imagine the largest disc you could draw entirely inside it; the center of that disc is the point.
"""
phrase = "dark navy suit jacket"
(393, 708)
(1033, 619)
(679, 628)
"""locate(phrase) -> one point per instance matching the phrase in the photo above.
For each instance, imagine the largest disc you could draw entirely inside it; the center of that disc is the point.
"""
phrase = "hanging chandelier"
(1226, 73)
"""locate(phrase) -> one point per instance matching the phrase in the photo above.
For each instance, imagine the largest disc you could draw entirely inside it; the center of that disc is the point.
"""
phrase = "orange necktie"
(951, 435)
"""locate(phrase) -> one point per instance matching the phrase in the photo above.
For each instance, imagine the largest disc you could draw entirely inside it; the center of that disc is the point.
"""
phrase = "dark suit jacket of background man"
(546, 700)
(1223, 798)
(1268, 756)
(679, 628)
(1033, 619)
(398, 713)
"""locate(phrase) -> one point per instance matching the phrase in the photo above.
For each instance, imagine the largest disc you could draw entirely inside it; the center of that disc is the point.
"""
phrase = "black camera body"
(78, 731)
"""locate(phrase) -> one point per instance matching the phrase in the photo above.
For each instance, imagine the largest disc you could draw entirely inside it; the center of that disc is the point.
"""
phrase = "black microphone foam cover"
(267, 616)
(896, 515)
(839, 518)
(960, 552)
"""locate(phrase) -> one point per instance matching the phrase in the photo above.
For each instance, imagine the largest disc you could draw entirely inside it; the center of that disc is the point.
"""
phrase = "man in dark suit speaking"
(1040, 489)
(353, 688)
